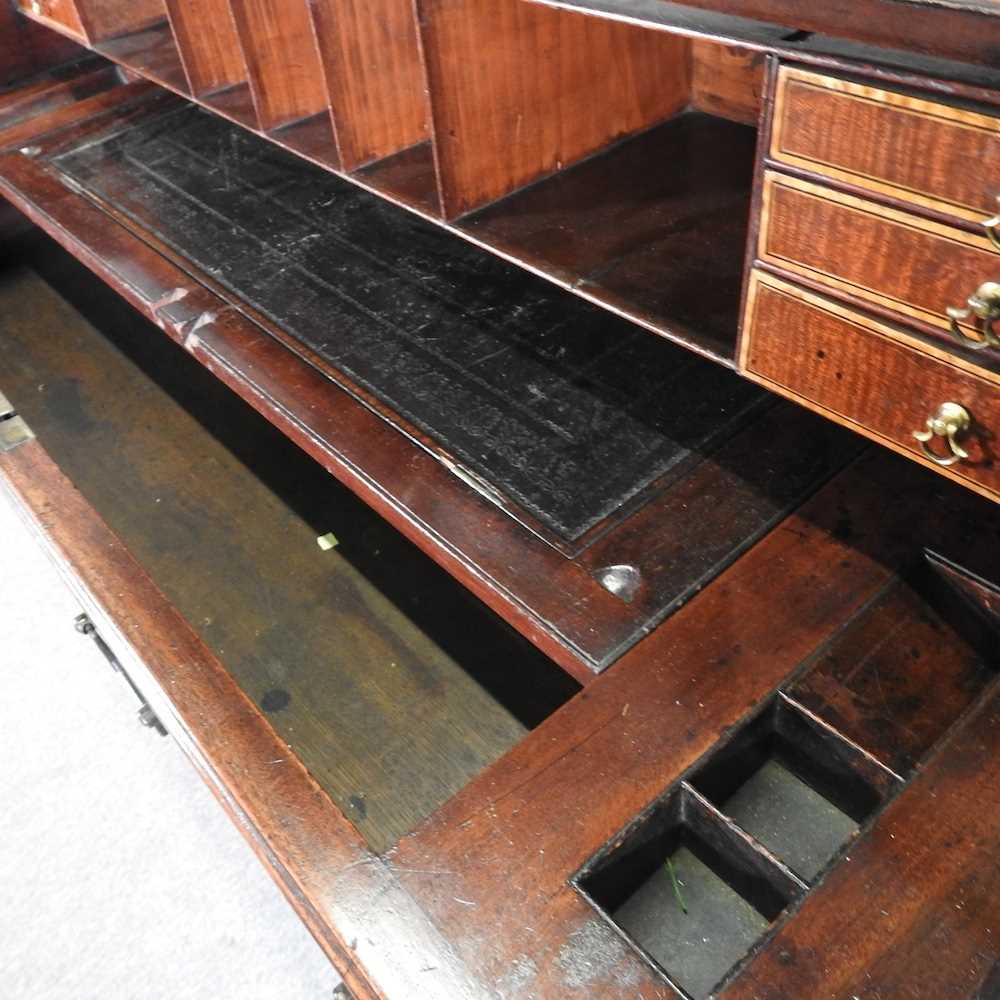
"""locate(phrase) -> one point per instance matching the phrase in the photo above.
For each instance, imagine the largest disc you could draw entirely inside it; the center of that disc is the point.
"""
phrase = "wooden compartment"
(375, 78)
(286, 76)
(64, 15)
(873, 377)
(909, 148)
(213, 57)
(689, 891)
(390, 682)
(798, 788)
(917, 657)
(630, 186)
(908, 266)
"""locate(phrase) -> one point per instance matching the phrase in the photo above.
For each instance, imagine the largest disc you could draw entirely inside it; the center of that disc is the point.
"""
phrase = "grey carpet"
(120, 877)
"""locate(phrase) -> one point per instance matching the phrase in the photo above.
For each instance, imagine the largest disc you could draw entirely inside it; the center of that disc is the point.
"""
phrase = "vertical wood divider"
(208, 44)
(520, 91)
(282, 60)
(375, 77)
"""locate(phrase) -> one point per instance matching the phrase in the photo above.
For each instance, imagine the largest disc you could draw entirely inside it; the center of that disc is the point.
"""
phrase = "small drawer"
(59, 13)
(905, 147)
(871, 377)
(916, 268)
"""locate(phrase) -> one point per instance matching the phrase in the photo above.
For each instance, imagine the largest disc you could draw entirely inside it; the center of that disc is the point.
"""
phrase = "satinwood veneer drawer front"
(892, 259)
(905, 147)
(874, 378)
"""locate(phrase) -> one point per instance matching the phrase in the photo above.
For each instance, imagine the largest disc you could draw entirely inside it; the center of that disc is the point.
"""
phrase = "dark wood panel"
(663, 246)
(62, 13)
(601, 761)
(905, 670)
(27, 47)
(279, 49)
(150, 52)
(863, 375)
(531, 103)
(208, 44)
(375, 76)
(915, 911)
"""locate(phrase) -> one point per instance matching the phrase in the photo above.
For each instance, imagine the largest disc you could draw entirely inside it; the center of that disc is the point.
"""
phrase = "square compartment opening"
(797, 788)
(690, 893)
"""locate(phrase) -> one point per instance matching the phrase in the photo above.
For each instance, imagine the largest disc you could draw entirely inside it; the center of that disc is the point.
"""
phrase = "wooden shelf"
(152, 53)
(655, 229)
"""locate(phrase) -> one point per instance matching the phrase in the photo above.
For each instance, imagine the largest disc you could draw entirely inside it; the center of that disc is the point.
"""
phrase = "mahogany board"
(568, 412)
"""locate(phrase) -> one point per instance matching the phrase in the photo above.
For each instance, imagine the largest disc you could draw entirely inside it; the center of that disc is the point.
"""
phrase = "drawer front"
(916, 268)
(906, 147)
(62, 12)
(868, 376)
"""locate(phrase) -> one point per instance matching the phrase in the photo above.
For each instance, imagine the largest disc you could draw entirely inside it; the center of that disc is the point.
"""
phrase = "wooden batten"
(544, 89)
(208, 44)
(282, 61)
(374, 75)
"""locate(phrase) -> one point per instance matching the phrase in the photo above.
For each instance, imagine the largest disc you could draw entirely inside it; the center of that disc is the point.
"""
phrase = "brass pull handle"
(984, 305)
(950, 422)
(992, 227)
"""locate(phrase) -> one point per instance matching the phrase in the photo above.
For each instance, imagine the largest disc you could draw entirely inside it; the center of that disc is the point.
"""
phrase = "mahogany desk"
(627, 666)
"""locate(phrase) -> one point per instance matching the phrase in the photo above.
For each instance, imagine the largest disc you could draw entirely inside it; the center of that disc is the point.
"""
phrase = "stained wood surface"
(208, 44)
(917, 150)
(856, 371)
(604, 758)
(663, 246)
(106, 19)
(354, 654)
(954, 29)
(375, 76)
(64, 13)
(27, 47)
(531, 103)
(279, 49)
(152, 53)
(550, 590)
(913, 267)
(727, 80)
(904, 671)
(914, 912)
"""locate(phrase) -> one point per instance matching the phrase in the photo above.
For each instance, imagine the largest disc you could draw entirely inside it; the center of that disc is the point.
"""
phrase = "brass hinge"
(14, 431)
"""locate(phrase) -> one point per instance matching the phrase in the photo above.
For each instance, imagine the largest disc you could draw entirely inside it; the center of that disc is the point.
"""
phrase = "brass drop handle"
(992, 227)
(984, 305)
(950, 422)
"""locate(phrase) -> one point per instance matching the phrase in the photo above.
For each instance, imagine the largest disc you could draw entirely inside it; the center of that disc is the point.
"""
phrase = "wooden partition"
(208, 43)
(520, 91)
(282, 61)
(374, 75)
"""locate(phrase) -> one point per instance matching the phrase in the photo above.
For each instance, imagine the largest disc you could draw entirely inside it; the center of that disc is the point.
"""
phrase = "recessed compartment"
(906, 668)
(699, 878)
(688, 890)
(630, 186)
(801, 790)
(385, 676)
